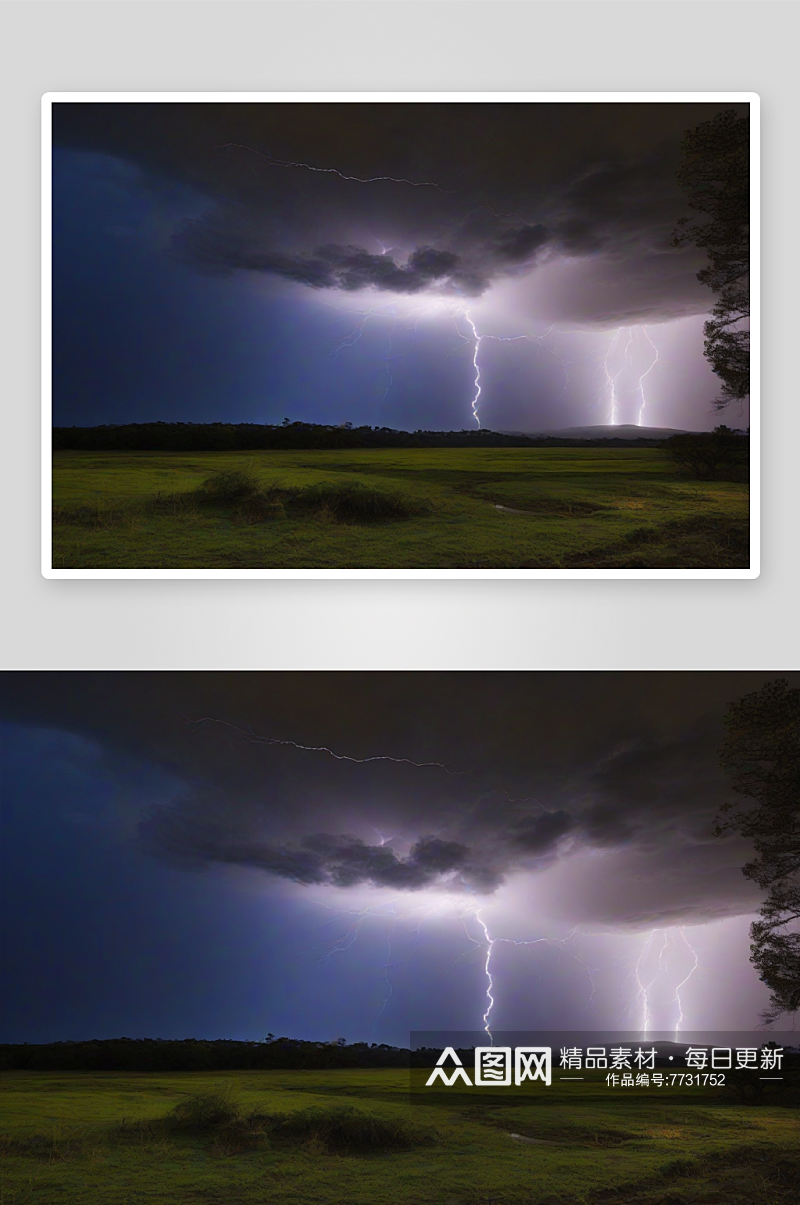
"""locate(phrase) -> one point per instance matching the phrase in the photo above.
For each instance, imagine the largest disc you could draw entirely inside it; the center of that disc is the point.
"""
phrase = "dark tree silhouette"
(715, 174)
(228, 437)
(703, 453)
(761, 753)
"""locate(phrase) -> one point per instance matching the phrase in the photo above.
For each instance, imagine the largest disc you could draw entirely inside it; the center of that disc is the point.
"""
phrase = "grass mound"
(204, 1111)
(215, 1116)
(217, 1119)
(354, 502)
(229, 487)
(241, 491)
(344, 1128)
(344, 502)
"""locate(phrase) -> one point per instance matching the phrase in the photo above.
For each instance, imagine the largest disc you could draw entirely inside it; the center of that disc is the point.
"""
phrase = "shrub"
(204, 1111)
(326, 1128)
(355, 502)
(240, 490)
(346, 502)
(229, 486)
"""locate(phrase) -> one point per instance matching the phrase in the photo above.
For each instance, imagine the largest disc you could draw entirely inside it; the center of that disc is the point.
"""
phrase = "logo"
(617, 1060)
(493, 1066)
(440, 1073)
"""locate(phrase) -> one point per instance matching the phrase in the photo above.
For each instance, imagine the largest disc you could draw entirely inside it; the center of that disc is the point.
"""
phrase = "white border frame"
(750, 98)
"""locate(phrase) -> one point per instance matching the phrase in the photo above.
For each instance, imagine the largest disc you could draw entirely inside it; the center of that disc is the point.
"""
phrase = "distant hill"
(607, 431)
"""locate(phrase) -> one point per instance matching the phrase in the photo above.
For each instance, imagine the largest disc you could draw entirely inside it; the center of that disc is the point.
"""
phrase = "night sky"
(250, 262)
(324, 854)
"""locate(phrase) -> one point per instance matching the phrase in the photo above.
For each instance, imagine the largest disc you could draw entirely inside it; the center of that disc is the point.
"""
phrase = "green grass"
(354, 1137)
(419, 508)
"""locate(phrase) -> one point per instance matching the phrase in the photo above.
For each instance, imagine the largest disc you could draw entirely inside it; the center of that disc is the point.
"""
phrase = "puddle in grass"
(532, 1141)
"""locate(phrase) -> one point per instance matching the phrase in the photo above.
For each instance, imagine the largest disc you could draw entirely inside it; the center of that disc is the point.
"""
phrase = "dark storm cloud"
(461, 196)
(228, 240)
(539, 834)
(517, 246)
(217, 245)
(412, 781)
(198, 829)
(614, 203)
(647, 786)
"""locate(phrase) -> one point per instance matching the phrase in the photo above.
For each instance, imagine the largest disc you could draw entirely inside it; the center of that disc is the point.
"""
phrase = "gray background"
(440, 46)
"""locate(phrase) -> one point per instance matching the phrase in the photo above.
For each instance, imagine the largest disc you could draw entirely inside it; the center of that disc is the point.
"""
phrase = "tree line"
(225, 437)
(189, 1054)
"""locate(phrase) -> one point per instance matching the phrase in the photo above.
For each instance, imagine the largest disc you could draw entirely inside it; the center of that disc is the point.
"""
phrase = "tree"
(761, 753)
(715, 174)
(703, 452)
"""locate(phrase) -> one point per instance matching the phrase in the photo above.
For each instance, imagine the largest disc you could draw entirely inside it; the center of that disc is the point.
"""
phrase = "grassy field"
(419, 508)
(118, 1139)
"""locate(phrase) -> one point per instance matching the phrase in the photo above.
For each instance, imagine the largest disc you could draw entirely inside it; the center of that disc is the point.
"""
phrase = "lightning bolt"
(684, 981)
(348, 938)
(384, 840)
(662, 953)
(477, 340)
(662, 971)
(273, 161)
(476, 348)
(487, 972)
(255, 739)
(646, 373)
(474, 340)
(611, 381)
(354, 336)
(350, 340)
(489, 944)
(644, 989)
